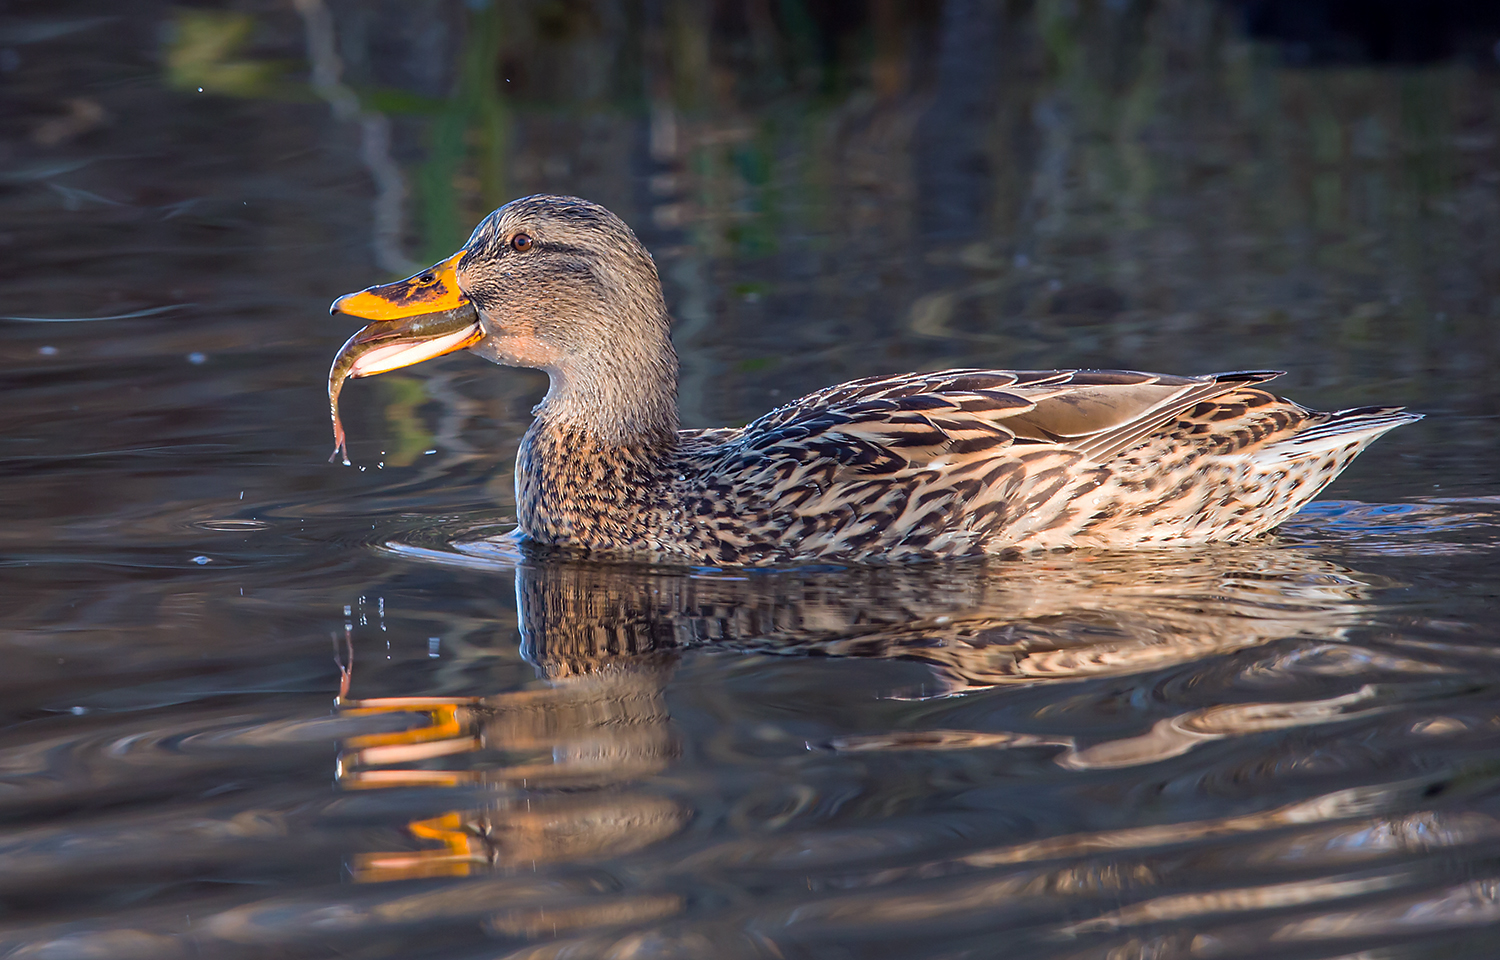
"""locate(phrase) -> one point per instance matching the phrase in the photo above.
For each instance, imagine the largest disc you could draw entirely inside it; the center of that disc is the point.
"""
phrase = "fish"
(387, 345)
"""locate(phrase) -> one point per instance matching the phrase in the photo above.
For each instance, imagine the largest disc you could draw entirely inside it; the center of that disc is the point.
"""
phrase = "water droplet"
(200, 560)
(47, 351)
(78, 711)
(197, 359)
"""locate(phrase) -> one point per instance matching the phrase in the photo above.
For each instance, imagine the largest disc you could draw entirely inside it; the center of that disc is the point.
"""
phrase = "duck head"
(549, 282)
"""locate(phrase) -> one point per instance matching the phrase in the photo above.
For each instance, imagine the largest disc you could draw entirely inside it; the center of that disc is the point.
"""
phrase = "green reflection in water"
(464, 174)
(408, 434)
(203, 54)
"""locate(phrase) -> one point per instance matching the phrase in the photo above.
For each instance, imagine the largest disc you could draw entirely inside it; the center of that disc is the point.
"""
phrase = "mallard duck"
(913, 466)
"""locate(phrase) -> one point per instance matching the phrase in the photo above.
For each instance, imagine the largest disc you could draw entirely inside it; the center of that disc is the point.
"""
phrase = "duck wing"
(1101, 413)
(881, 425)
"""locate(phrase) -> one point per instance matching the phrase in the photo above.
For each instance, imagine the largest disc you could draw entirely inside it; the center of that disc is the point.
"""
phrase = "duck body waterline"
(909, 467)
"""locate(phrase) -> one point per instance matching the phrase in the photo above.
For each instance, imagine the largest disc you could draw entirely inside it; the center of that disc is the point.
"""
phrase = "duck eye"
(426, 278)
(520, 243)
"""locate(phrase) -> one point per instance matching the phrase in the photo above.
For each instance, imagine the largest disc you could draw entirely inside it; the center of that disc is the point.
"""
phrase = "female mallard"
(919, 465)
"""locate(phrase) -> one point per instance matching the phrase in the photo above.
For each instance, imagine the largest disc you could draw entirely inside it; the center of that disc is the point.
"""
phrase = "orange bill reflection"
(560, 761)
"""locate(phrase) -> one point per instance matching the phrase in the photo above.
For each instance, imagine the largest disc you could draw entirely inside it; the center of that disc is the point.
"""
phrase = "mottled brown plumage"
(915, 466)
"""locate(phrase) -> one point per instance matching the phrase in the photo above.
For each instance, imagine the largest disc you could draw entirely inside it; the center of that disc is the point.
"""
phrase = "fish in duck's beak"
(412, 320)
(415, 319)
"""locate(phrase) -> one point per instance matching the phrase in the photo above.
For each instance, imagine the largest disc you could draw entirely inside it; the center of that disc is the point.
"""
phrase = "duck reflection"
(567, 762)
(976, 625)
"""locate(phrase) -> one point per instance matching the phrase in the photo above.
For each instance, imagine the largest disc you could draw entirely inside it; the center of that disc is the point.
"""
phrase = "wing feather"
(1101, 413)
(901, 425)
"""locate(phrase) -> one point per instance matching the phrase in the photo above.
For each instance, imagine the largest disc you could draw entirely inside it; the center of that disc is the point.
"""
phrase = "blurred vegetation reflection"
(843, 188)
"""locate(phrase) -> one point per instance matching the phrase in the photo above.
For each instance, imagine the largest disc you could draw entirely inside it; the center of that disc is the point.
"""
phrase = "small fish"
(337, 374)
(390, 344)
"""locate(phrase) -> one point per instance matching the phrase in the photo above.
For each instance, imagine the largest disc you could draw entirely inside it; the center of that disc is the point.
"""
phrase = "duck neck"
(623, 402)
(589, 466)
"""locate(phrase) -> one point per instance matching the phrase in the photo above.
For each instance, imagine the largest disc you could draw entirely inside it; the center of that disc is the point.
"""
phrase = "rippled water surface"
(254, 704)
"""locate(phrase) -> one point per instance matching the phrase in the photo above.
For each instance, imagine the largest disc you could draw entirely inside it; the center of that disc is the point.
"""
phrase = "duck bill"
(413, 320)
(433, 290)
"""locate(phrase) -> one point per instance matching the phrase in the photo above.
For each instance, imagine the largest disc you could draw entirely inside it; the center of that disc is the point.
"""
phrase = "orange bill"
(431, 291)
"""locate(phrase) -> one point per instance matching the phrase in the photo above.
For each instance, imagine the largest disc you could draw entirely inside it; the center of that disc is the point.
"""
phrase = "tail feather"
(1344, 427)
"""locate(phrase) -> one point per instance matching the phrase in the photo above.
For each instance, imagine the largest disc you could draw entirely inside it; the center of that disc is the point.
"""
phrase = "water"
(259, 705)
